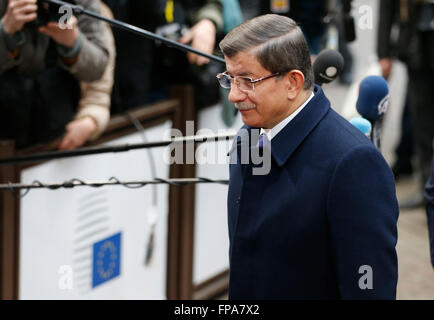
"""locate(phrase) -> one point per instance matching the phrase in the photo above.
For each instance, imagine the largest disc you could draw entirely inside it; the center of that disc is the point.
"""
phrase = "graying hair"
(276, 41)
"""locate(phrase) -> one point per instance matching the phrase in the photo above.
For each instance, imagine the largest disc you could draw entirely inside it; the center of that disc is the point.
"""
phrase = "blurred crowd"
(65, 79)
(406, 32)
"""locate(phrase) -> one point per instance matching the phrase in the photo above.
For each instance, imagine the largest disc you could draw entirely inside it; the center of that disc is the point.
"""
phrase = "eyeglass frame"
(248, 78)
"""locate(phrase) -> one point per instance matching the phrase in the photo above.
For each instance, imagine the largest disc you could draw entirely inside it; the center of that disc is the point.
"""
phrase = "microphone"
(328, 66)
(372, 104)
(363, 125)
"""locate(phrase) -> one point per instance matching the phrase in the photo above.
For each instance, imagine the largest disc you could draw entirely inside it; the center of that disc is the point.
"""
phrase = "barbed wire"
(75, 182)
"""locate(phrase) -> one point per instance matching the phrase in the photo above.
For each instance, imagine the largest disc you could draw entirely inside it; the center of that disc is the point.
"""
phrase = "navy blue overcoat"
(323, 223)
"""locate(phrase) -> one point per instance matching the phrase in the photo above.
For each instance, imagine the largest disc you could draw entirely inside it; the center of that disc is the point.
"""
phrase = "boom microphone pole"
(114, 148)
(78, 10)
(44, 156)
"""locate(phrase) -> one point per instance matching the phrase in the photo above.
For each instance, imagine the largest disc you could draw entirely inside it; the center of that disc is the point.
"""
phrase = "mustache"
(244, 106)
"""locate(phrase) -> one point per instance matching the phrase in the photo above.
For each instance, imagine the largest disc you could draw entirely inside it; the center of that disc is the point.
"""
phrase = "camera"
(48, 12)
(172, 31)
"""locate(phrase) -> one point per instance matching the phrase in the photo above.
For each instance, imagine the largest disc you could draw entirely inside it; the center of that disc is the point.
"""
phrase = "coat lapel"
(287, 141)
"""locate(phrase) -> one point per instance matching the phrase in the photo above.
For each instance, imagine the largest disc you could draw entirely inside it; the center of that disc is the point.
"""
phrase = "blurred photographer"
(414, 46)
(93, 114)
(145, 69)
(198, 23)
(41, 64)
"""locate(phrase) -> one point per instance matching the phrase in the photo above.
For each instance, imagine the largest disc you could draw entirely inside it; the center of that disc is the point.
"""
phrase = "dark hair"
(278, 44)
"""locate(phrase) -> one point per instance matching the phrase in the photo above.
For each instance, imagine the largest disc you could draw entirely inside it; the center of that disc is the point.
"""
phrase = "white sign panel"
(211, 240)
(91, 243)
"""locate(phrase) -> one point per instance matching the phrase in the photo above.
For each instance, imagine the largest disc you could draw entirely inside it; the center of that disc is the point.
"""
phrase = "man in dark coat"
(321, 222)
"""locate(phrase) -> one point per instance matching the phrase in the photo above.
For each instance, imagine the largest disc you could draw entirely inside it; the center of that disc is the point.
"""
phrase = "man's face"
(267, 104)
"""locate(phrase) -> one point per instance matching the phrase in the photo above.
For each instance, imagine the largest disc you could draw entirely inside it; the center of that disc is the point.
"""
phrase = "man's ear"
(296, 83)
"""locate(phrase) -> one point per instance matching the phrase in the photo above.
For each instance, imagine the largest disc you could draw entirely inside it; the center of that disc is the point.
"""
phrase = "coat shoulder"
(339, 136)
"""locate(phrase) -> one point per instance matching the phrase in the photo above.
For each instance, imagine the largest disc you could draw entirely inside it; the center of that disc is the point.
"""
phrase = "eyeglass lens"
(242, 83)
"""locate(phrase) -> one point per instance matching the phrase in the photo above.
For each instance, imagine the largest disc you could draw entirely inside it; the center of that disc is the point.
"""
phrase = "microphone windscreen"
(373, 99)
(328, 66)
(363, 125)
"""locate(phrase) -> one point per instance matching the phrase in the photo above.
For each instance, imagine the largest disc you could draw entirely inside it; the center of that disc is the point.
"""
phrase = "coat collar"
(290, 137)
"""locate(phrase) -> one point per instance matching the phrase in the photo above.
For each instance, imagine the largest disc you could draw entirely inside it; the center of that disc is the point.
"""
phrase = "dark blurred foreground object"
(429, 197)
(404, 152)
(349, 25)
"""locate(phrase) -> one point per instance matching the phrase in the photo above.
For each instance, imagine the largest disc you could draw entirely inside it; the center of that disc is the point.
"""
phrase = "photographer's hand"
(65, 35)
(386, 67)
(77, 133)
(202, 37)
(19, 12)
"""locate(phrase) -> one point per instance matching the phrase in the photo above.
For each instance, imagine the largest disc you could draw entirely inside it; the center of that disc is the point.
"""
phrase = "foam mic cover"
(328, 66)
(373, 99)
(363, 125)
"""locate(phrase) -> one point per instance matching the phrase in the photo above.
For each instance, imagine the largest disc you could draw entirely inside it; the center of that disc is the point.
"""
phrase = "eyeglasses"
(245, 84)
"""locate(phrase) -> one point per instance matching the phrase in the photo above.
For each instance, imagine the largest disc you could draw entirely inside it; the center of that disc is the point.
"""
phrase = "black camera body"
(48, 12)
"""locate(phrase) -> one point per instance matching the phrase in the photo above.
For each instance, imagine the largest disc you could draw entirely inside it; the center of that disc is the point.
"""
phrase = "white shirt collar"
(271, 133)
